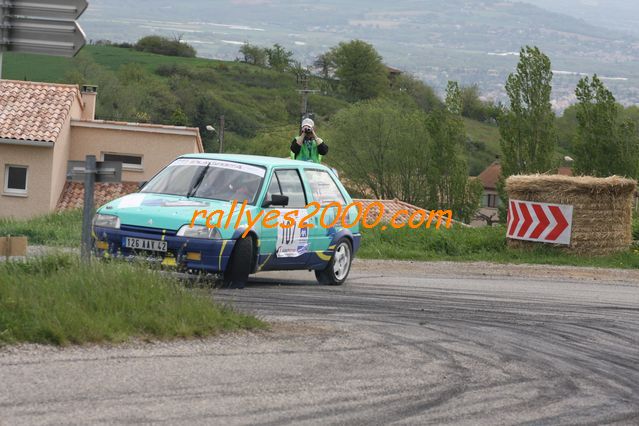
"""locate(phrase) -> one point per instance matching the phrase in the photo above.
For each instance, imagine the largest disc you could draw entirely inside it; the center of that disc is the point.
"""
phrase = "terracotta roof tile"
(34, 111)
(391, 207)
(73, 194)
(490, 175)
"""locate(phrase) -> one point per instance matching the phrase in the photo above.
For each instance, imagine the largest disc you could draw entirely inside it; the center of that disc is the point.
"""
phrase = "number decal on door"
(292, 241)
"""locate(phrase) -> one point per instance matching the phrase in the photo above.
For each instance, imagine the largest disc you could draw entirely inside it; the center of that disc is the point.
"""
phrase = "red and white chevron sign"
(541, 222)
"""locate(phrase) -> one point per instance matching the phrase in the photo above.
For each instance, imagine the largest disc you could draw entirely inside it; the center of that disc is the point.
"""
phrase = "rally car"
(198, 215)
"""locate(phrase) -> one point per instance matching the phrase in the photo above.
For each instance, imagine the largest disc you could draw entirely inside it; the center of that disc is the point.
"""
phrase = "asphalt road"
(400, 343)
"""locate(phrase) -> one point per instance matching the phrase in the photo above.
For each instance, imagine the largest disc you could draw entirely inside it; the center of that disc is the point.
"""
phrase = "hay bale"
(602, 208)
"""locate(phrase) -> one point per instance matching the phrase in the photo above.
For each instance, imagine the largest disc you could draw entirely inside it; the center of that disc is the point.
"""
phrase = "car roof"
(258, 160)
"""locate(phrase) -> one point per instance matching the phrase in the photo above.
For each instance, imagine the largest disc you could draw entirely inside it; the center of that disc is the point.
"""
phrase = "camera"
(308, 130)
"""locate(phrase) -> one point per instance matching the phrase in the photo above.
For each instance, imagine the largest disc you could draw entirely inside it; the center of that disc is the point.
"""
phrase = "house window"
(492, 200)
(15, 179)
(129, 161)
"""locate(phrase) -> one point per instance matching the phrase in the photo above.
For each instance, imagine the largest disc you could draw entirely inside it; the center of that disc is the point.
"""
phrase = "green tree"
(253, 55)
(423, 95)
(360, 70)
(325, 63)
(528, 140)
(406, 154)
(476, 108)
(279, 58)
(393, 159)
(179, 118)
(450, 186)
(605, 144)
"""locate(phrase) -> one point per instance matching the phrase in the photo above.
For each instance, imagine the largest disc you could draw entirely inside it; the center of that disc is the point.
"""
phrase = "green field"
(24, 66)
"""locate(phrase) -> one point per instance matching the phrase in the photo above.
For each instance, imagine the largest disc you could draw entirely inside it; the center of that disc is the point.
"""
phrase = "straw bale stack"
(602, 208)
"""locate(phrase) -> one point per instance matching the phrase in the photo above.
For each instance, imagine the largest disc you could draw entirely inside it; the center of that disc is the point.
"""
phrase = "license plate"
(142, 244)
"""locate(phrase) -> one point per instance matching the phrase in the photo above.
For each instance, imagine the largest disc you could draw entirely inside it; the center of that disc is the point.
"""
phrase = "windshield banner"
(258, 171)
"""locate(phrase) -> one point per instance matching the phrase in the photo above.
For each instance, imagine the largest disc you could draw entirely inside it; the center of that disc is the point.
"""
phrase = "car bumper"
(184, 254)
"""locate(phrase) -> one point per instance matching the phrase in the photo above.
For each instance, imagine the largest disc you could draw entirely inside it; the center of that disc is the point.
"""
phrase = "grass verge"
(474, 244)
(57, 300)
(55, 229)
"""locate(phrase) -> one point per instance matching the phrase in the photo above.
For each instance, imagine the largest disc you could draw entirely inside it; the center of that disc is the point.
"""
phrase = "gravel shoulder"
(488, 269)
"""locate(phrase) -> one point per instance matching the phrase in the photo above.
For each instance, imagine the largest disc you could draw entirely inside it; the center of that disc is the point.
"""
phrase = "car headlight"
(199, 231)
(106, 221)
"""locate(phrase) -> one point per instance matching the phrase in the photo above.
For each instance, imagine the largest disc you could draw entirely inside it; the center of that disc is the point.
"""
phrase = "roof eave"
(137, 127)
(26, 142)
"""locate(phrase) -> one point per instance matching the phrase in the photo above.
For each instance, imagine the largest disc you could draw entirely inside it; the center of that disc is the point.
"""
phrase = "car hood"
(170, 212)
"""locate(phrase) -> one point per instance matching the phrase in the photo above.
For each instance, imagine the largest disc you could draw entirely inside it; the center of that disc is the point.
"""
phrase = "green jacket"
(310, 150)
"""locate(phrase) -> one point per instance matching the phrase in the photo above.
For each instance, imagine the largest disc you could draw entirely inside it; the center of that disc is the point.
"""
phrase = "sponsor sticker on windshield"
(247, 168)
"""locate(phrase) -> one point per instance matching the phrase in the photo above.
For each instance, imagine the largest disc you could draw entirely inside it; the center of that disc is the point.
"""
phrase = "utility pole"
(87, 214)
(303, 80)
(221, 134)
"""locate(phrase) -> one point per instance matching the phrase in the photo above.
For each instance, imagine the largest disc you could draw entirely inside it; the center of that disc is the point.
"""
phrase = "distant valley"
(464, 40)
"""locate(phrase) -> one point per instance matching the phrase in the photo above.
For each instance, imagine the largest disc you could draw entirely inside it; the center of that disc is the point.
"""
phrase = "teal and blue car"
(198, 215)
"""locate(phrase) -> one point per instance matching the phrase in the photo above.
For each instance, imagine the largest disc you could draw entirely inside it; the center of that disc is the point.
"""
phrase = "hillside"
(617, 15)
(261, 106)
(471, 41)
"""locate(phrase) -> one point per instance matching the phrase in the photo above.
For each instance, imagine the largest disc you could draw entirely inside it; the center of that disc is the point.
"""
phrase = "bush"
(57, 300)
(165, 46)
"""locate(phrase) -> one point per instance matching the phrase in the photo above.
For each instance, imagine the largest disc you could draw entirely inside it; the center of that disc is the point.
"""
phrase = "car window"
(291, 186)
(213, 179)
(228, 185)
(273, 188)
(174, 180)
(323, 187)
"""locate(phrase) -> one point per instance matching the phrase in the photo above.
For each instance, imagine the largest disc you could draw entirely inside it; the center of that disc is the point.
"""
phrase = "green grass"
(56, 229)
(474, 244)
(57, 300)
(25, 66)
(483, 145)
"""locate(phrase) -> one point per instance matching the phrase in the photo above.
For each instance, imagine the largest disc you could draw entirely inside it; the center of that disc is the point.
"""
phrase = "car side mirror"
(276, 200)
(141, 185)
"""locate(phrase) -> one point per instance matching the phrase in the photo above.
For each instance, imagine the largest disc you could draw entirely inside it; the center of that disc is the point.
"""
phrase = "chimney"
(89, 94)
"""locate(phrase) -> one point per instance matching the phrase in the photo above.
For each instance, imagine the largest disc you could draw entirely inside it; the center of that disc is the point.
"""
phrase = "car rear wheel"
(339, 266)
(239, 267)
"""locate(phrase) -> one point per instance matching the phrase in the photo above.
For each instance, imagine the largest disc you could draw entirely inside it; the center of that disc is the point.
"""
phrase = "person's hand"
(299, 141)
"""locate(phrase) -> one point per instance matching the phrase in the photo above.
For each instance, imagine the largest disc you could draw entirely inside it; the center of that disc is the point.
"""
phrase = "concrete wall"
(156, 149)
(37, 200)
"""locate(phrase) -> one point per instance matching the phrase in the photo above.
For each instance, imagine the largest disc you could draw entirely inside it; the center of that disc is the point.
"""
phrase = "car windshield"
(213, 179)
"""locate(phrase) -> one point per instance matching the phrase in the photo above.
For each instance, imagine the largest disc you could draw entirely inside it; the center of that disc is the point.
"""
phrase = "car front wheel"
(339, 266)
(239, 267)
